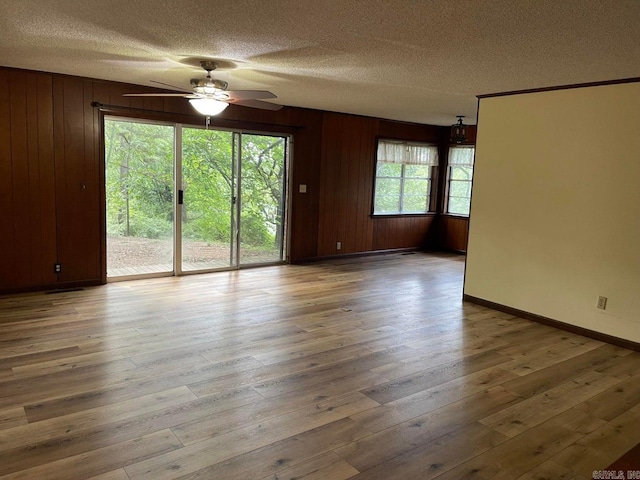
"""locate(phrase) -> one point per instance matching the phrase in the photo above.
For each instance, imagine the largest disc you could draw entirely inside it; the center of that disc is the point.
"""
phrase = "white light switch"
(303, 188)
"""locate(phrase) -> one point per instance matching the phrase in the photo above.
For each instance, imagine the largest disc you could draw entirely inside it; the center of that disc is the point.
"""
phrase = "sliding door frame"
(235, 250)
(178, 187)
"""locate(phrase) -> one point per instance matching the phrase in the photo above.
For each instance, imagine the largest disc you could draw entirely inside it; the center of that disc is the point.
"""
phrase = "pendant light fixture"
(459, 131)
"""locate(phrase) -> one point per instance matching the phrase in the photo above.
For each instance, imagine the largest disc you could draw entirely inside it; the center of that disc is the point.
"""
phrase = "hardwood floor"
(367, 368)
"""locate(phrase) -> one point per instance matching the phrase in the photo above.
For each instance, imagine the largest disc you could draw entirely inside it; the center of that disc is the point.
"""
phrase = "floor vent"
(64, 290)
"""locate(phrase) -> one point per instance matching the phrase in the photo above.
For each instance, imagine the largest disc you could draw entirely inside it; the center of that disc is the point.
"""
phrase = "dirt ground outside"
(126, 252)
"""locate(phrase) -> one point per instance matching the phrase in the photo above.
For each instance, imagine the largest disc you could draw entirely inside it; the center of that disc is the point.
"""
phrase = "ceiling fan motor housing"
(208, 85)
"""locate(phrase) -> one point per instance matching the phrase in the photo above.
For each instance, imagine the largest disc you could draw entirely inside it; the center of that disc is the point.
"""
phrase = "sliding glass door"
(226, 188)
(207, 209)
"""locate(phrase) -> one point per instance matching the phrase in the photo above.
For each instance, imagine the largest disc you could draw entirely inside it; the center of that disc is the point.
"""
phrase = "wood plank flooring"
(367, 368)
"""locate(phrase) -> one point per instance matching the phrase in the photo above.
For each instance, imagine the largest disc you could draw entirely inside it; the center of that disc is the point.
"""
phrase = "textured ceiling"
(415, 60)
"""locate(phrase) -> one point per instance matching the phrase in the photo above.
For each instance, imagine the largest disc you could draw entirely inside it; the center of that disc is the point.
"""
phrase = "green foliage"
(402, 188)
(262, 189)
(460, 189)
(207, 172)
(139, 178)
(254, 231)
(459, 205)
(461, 173)
(145, 227)
(389, 169)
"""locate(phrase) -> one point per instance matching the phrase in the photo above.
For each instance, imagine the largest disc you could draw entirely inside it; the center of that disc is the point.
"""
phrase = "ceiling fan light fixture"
(208, 106)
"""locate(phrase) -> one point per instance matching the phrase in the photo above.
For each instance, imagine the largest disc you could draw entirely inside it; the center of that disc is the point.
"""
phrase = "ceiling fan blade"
(155, 95)
(249, 94)
(256, 104)
(180, 89)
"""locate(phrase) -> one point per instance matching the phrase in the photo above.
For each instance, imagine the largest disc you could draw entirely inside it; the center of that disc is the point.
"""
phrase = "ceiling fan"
(210, 96)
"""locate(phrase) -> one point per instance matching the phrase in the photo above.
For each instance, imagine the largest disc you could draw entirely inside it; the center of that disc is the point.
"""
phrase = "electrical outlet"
(57, 268)
(602, 303)
(338, 245)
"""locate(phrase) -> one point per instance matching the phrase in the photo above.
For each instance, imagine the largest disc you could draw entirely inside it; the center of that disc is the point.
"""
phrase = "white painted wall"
(555, 213)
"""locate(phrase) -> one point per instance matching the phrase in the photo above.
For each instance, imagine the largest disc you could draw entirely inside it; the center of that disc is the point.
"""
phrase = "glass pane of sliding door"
(139, 166)
(208, 182)
(262, 198)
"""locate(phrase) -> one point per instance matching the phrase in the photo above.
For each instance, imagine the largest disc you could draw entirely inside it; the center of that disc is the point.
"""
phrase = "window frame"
(432, 180)
(449, 179)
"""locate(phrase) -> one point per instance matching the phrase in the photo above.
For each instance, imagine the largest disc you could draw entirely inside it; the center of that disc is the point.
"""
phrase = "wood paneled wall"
(52, 176)
(403, 232)
(304, 207)
(346, 182)
(78, 180)
(452, 233)
(28, 197)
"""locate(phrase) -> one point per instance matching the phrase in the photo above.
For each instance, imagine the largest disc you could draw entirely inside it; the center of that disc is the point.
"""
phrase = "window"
(459, 178)
(403, 177)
